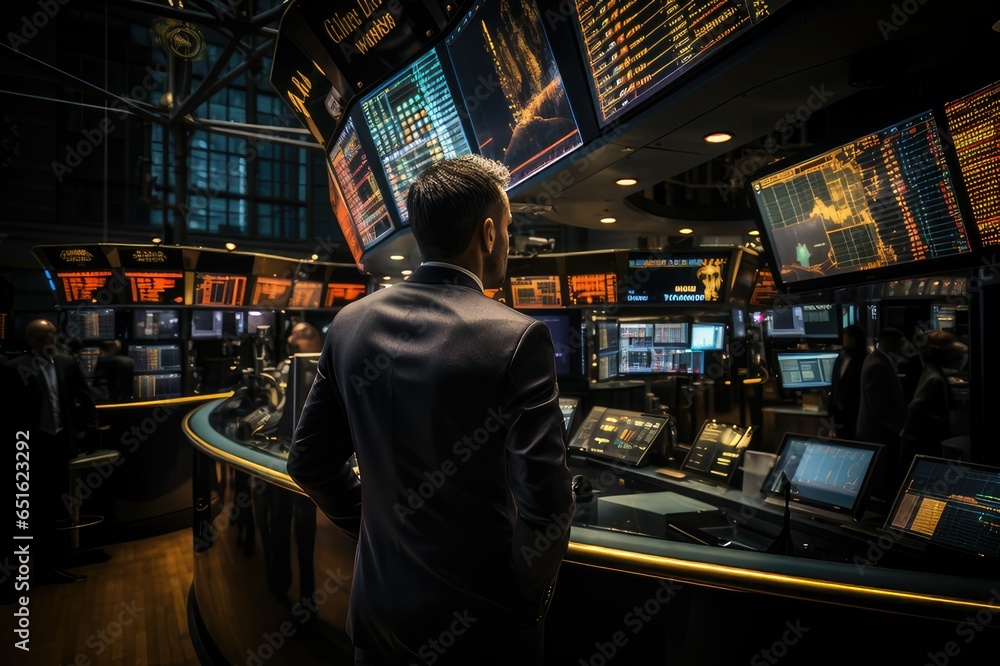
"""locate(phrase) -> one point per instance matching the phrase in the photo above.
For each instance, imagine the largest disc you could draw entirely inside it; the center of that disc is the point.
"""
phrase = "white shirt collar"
(457, 268)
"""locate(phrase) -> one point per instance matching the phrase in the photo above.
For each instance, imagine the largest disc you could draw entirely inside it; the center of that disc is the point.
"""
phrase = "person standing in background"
(113, 373)
(465, 394)
(883, 407)
(845, 389)
(928, 420)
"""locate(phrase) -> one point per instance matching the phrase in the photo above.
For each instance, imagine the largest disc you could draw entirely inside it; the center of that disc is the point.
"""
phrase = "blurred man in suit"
(450, 401)
(882, 409)
(113, 373)
(52, 400)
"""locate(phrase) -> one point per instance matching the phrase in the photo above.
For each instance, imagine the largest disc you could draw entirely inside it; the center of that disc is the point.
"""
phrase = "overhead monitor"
(414, 121)
(155, 358)
(271, 292)
(675, 278)
(339, 293)
(828, 477)
(156, 324)
(800, 370)
(526, 121)
(974, 122)
(361, 193)
(156, 287)
(864, 209)
(536, 292)
(636, 49)
(717, 450)
(708, 336)
(306, 294)
(592, 289)
(82, 287)
(785, 321)
(950, 504)
(618, 435)
(219, 290)
(344, 219)
(95, 324)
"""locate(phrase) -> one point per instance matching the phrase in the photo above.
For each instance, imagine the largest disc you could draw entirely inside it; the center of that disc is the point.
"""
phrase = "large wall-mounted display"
(881, 201)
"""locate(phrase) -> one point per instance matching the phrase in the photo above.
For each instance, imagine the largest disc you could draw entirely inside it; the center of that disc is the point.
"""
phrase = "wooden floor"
(132, 610)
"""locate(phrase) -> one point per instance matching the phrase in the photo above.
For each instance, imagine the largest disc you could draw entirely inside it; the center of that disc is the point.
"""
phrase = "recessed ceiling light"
(685, 230)
(754, 232)
(718, 137)
(386, 277)
(396, 257)
(230, 246)
(608, 220)
(407, 272)
(314, 256)
(626, 182)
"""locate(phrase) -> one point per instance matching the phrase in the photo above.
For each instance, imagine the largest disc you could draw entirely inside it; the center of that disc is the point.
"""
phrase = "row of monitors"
(941, 503)
(922, 192)
(193, 288)
(494, 87)
(163, 324)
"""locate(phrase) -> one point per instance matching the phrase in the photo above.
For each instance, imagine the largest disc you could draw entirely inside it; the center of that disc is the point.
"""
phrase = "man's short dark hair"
(891, 336)
(449, 199)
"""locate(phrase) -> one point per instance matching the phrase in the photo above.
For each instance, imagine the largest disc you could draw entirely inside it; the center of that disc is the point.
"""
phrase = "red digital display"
(80, 287)
(156, 287)
(271, 292)
(214, 289)
(338, 293)
(306, 295)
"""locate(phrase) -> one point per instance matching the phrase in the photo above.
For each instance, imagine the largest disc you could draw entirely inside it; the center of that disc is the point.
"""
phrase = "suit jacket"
(882, 408)
(845, 394)
(113, 377)
(450, 401)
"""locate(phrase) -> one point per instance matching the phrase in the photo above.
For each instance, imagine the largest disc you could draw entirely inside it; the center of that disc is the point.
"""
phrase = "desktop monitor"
(951, 504)
(155, 358)
(648, 346)
(708, 337)
(820, 320)
(156, 324)
(717, 450)
(96, 324)
(206, 325)
(828, 477)
(566, 340)
(800, 370)
(786, 322)
(618, 435)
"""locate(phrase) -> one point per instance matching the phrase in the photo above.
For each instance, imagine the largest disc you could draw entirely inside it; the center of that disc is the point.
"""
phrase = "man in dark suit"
(845, 390)
(52, 401)
(882, 409)
(113, 373)
(450, 401)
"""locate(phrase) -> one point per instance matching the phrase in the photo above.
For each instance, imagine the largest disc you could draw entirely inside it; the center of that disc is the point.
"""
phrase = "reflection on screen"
(536, 292)
(524, 118)
(361, 193)
(974, 122)
(636, 48)
(414, 121)
(830, 474)
(884, 199)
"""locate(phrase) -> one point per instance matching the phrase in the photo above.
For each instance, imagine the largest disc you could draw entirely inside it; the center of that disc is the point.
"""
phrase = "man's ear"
(489, 234)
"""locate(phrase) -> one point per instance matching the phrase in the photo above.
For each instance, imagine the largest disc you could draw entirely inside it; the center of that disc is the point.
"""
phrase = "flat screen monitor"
(708, 336)
(306, 294)
(948, 503)
(206, 325)
(717, 450)
(524, 120)
(155, 358)
(257, 319)
(565, 340)
(617, 434)
(675, 278)
(150, 387)
(821, 320)
(635, 49)
(82, 287)
(974, 123)
(414, 121)
(156, 324)
(271, 292)
(340, 293)
(883, 201)
(536, 292)
(786, 321)
(592, 289)
(649, 346)
(156, 287)
(96, 324)
(361, 192)
(801, 370)
(219, 290)
(829, 477)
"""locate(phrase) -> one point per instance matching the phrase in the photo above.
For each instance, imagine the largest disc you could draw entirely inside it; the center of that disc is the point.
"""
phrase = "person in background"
(845, 389)
(928, 420)
(882, 409)
(431, 379)
(113, 373)
(49, 397)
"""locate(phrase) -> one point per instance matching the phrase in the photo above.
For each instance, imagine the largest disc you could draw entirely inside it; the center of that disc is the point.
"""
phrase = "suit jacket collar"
(443, 275)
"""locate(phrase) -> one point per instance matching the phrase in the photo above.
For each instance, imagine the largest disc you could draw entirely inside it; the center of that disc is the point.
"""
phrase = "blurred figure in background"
(845, 390)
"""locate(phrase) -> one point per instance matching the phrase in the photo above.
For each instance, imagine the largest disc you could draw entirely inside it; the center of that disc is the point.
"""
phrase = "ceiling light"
(754, 232)
(626, 182)
(608, 220)
(230, 246)
(157, 240)
(396, 257)
(386, 277)
(718, 137)
(407, 272)
(685, 230)
(314, 256)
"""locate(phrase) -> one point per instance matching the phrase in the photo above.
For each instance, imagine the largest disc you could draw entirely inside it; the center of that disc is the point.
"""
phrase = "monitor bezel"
(824, 508)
